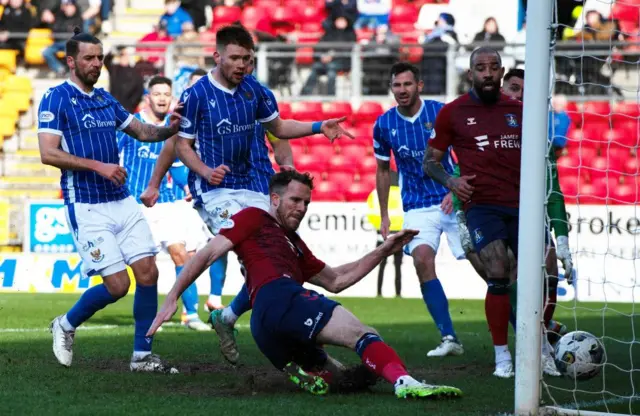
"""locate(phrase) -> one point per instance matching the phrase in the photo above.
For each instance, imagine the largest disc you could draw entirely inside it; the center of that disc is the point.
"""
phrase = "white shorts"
(166, 224)
(220, 204)
(109, 235)
(432, 222)
(197, 232)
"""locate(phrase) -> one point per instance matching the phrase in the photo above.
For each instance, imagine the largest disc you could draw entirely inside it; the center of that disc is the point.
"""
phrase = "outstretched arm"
(151, 133)
(292, 129)
(337, 279)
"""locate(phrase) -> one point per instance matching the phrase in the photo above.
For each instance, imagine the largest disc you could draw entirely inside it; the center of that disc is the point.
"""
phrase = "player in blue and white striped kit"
(405, 130)
(77, 134)
(218, 129)
(169, 229)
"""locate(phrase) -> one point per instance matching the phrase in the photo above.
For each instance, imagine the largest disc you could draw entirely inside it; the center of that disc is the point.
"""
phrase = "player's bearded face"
(233, 62)
(88, 63)
(160, 99)
(405, 88)
(292, 205)
(485, 75)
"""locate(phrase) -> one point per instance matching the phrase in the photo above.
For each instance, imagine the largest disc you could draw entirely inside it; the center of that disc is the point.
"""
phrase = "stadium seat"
(284, 109)
(625, 111)
(311, 161)
(624, 11)
(307, 111)
(284, 19)
(631, 134)
(590, 194)
(342, 163)
(304, 56)
(298, 147)
(596, 112)
(368, 164)
(336, 109)
(402, 13)
(324, 148)
(20, 101)
(624, 194)
(368, 179)
(411, 54)
(208, 38)
(256, 18)
(364, 35)
(309, 33)
(327, 191)
(37, 41)
(8, 59)
(357, 192)
(7, 127)
(632, 166)
(316, 139)
(568, 166)
(344, 178)
(368, 113)
(226, 14)
(352, 149)
(311, 14)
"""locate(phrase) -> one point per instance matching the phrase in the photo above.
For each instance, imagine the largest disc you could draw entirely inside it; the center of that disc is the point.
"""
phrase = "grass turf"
(99, 382)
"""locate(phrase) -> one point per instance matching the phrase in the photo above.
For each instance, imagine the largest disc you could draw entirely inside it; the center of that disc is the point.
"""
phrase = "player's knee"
(118, 285)
(497, 270)
(424, 262)
(498, 286)
(148, 276)
(178, 254)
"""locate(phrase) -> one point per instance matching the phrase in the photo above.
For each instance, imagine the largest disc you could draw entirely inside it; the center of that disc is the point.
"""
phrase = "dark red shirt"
(486, 140)
(269, 252)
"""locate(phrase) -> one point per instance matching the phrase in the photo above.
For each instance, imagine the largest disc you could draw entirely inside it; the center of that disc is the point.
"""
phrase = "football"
(579, 355)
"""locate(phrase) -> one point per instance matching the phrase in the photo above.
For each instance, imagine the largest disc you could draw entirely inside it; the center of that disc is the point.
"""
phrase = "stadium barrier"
(603, 236)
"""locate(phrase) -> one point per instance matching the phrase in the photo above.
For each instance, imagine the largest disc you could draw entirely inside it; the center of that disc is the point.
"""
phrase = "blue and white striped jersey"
(261, 169)
(222, 122)
(87, 124)
(139, 159)
(407, 139)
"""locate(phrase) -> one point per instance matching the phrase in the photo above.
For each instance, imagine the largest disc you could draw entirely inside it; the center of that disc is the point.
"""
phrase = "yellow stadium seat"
(29, 193)
(30, 180)
(20, 101)
(7, 110)
(7, 127)
(4, 73)
(17, 83)
(8, 59)
(38, 40)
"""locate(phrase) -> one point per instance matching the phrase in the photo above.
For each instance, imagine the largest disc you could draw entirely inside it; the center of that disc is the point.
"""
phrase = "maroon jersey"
(269, 252)
(486, 141)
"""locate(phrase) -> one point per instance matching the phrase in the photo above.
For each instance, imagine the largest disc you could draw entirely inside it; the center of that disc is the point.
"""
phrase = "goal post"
(531, 226)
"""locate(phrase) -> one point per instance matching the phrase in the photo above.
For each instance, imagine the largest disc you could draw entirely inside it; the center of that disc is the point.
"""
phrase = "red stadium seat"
(284, 110)
(307, 111)
(298, 147)
(352, 149)
(208, 38)
(324, 148)
(569, 185)
(631, 131)
(412, 54)
(344, 178)
(403, 13)
(311, 161)
(368, 179)
(317, 139)
(336, 109)
(590, 194)
(632, 165)
(317, 175)
(596, 111)
(327, 191)
(368, 164)
(256, 18)
(625, 111)
(624, 194)
(226, 14)
(304, 55)
(311, 14)
(284, 19)
(595, 169)
(341, 163)
(357, 192)
(625, 11)
(368, 113)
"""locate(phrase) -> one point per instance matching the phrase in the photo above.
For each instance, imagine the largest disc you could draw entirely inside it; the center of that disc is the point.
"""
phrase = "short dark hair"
(282, 179)
(483, 49)
(234, 35)
(400, 67)
(159, 80)
(514, 72)
(198, 72)
(73, 45)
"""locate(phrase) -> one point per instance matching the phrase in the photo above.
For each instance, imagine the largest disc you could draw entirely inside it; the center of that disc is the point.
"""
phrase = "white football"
(579, 355)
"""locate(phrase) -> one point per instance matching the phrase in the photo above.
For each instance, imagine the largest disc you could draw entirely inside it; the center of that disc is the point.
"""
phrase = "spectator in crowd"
(174, 17)
(65, 19)
(331, 61)
(126, 81)
(340, 8)
(373, 13)
(434, 61)
(188, 59)
(197, 11)
(155, 54)
(89, 11)
(378, 55)
(15, 22)
(518, 49)
(490, 33)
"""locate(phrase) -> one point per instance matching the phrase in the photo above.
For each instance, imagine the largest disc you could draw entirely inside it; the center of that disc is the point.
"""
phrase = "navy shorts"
(488, 223)
(285, 321)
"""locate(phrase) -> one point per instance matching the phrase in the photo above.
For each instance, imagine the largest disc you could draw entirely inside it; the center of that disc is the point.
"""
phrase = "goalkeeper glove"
(463, 231)
(564, 255)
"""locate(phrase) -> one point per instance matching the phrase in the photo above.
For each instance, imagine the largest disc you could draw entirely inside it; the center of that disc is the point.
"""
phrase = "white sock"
(546, 347)
(228, 316)
(139, 355)
(405, 381)
(502, 353)
(215, 301)
(66, 326)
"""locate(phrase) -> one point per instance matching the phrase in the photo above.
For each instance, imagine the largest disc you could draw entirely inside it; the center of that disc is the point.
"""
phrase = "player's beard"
(488, 96)
(87, 79)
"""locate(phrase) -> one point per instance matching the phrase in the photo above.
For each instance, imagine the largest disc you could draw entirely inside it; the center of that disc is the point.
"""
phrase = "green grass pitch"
(99, 383)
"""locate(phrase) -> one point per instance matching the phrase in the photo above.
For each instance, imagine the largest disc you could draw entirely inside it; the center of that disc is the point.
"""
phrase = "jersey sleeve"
(189, 113)
(381, 147)
(311, 265)
(562, 123)
(51, 114)
(243, 225)
(123, 117)
(267, 105)
(442, 134)
(122, 139)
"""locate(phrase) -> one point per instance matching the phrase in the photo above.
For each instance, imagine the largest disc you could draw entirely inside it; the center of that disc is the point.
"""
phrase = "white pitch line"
(601, 402)
(98, 328)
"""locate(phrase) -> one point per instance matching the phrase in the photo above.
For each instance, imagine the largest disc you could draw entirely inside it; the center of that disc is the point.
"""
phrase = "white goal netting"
(595, 93)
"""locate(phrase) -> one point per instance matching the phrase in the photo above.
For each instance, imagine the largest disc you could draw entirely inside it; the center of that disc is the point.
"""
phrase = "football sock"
(502, 353)
(380, 358)
(91, 301)
(438, 306)
(497, 308)
(217, 273)
(241, 303)
(189, 297)
(550, 304)
(145, 306)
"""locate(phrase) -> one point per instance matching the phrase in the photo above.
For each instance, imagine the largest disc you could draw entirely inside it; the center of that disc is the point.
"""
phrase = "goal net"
(594, 131)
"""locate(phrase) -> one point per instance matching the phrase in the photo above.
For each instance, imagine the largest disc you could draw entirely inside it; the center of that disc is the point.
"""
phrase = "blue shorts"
(285, 321)
(488, 223)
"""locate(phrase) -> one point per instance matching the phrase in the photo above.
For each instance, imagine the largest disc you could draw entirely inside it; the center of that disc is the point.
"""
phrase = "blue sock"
(241, 303)
(190, 296)
(366, 340)
(512, 319)
(438, 306)
(218, 272)
(91, 301)
(145, 306)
